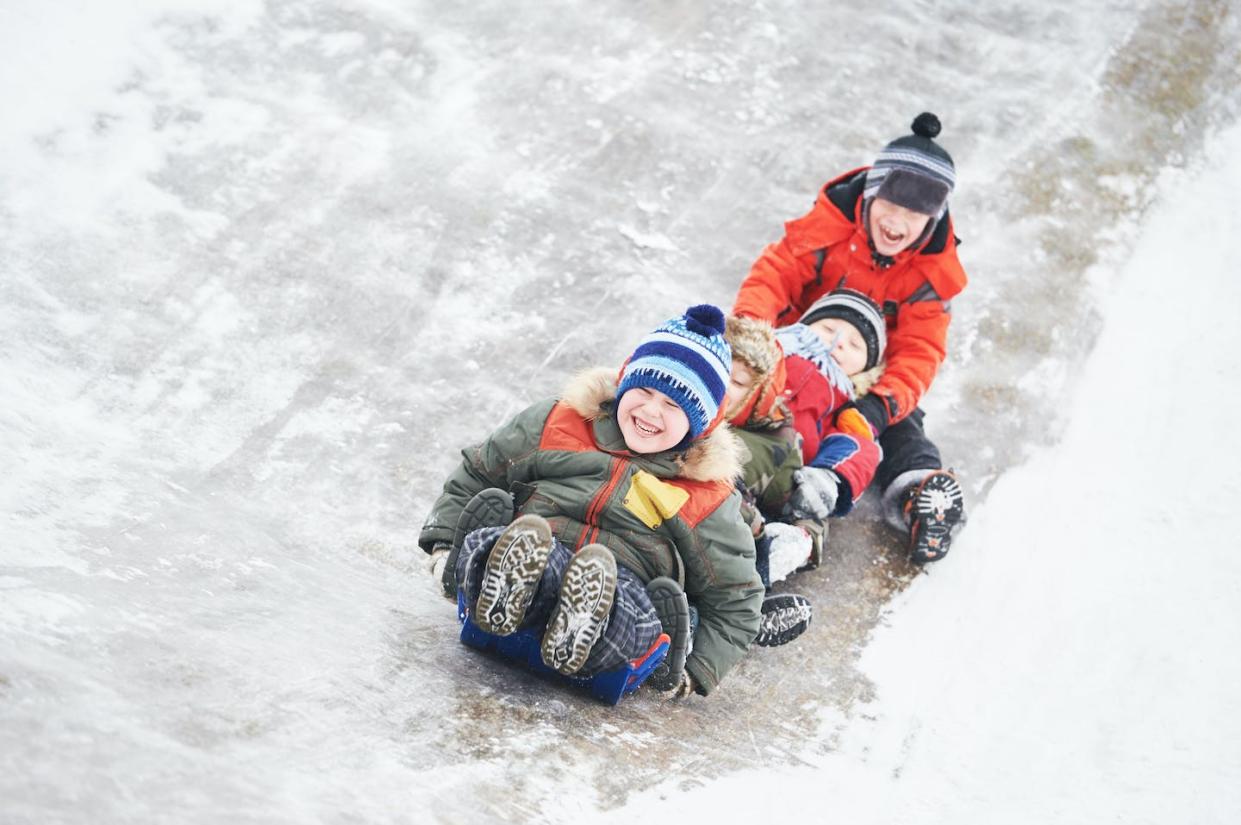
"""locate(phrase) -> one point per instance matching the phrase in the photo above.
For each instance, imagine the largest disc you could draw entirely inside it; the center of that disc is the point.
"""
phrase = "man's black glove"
(873, 409)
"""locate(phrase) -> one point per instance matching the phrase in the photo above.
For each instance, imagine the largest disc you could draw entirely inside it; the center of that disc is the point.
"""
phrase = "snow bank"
(1068, 661)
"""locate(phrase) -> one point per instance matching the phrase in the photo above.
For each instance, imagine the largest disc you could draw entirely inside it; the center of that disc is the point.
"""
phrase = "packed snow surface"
(266, 267)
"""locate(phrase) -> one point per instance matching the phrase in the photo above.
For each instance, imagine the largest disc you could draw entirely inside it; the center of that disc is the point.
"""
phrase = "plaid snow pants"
(630, 628)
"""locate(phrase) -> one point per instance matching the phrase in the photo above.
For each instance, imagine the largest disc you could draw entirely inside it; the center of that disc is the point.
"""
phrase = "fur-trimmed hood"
(715, 456)
(754, 344)
(863, 381)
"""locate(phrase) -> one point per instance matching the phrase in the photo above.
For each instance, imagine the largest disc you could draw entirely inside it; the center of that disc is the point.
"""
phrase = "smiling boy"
(885, 231)
(650, 421)
(622, 480)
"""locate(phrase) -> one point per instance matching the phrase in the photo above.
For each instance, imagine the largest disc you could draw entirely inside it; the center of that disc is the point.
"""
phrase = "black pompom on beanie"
(914, 171)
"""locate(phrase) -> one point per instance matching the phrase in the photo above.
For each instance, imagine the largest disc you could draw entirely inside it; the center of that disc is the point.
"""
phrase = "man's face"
(650, 421)
(849, 349)
(893, 228)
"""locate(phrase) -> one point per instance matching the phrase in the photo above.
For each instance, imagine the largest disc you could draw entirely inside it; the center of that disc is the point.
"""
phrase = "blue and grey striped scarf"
(799, 339)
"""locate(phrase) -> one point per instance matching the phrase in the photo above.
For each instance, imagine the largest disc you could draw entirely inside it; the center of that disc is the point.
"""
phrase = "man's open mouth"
(890, 236)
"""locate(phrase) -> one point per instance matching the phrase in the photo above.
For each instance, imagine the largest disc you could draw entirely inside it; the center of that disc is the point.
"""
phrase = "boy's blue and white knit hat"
(688, 360)
(914, 171)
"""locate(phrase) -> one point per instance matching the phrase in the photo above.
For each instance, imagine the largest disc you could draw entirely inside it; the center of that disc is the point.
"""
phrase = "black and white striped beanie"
(914, 171)
(858, 309)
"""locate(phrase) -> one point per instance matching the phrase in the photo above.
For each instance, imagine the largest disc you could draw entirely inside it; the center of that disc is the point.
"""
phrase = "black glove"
(873, 408)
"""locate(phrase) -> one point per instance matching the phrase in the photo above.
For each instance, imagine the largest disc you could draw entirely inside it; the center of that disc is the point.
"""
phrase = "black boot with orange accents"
(933, 508)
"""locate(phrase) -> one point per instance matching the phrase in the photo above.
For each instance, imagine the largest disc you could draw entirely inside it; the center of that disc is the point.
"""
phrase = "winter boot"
(933, 508)
(785, 617)
(580, 615)
(672, 607)
(492, 507)
(790, 549)
(512, 575)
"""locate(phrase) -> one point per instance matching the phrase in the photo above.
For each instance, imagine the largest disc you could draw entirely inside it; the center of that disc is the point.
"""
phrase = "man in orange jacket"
(884, 230)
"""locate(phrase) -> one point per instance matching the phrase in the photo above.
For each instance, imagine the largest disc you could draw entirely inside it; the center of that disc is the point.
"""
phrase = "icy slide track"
(265, 266)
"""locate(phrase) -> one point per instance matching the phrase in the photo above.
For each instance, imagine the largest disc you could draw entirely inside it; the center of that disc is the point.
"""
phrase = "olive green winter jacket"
(663, 514)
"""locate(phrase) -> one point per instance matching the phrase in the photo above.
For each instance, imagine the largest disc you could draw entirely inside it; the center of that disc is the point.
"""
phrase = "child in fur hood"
(798, 385)
(810, 453)
(619, 481)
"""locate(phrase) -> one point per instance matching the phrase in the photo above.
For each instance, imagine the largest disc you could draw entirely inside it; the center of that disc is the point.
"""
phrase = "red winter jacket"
(829, 248)
(812, 404)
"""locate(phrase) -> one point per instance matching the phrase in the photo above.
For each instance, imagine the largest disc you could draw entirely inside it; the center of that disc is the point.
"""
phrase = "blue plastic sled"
(524, 646)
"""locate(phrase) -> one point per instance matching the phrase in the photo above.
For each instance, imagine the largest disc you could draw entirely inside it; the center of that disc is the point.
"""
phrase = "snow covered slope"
(1072, 660)
(266, 266)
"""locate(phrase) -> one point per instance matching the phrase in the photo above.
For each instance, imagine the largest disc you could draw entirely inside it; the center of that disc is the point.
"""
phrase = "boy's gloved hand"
(682, 688)
(437, 560)
(814, 493)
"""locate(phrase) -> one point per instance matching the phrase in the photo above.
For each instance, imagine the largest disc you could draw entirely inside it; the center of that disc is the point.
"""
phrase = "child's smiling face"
(650, 421)
(846, 343)
(892, 227)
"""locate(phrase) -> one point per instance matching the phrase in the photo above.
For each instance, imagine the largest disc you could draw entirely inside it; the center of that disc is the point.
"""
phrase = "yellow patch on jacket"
(653, 500)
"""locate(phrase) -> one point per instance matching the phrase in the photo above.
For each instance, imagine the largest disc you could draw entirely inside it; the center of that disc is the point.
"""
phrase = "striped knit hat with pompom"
(857, 309)
(688, 360)
(914, 171)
